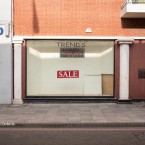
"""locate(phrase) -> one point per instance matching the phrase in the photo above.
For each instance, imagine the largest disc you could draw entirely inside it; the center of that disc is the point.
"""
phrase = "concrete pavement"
(89, 114)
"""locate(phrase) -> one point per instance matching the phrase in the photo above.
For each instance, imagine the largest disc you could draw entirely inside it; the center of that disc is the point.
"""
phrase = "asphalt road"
(72, 136)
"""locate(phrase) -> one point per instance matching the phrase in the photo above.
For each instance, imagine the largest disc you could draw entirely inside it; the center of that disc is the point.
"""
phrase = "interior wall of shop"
(67, 18)
(42, 73)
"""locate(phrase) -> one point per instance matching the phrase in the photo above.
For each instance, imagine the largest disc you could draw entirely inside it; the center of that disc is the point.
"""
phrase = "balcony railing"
(138, 1)
(133, 9)
(132, 2)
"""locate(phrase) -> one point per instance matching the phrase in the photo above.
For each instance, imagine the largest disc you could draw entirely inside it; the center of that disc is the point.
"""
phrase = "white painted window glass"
(70, 68)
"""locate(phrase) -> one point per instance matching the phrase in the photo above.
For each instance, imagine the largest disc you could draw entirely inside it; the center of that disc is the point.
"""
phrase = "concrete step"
(70, 99)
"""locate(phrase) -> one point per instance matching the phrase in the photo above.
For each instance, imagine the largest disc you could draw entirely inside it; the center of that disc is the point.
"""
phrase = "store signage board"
(72, 52)
(1, 31)
(68, 74)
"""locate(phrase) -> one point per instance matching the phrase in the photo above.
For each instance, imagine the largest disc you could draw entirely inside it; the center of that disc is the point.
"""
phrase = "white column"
(124, 68)
(18, 73)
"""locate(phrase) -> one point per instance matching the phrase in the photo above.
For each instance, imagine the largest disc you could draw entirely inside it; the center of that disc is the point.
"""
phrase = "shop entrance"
(69, 68)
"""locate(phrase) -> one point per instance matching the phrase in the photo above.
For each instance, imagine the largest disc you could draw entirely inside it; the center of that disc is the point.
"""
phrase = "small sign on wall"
(141, 73)
(68, 74)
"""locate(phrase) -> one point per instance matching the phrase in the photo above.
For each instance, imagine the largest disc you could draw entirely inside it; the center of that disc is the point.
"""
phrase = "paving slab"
(87, 114)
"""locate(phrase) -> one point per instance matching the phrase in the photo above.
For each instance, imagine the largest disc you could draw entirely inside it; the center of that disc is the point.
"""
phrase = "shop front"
(69, 68)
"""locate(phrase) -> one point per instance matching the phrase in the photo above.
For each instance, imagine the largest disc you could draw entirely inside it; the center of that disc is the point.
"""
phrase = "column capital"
(125, 40)
(17, 101)
(17, 41)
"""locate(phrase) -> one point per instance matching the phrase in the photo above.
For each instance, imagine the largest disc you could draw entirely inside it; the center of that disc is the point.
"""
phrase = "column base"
(17, 101)
(128, 101)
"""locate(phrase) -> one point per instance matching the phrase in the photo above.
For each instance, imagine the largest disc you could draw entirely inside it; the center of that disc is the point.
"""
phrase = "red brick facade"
(72, 17)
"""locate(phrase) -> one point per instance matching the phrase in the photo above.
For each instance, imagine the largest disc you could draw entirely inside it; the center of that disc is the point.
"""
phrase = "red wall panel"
(117, 69)
(137, 61)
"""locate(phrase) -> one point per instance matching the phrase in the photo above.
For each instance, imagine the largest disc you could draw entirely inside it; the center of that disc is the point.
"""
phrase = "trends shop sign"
(72, 49)
(68, 74)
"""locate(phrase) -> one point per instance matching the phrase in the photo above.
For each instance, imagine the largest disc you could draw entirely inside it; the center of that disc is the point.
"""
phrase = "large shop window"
(70, 68)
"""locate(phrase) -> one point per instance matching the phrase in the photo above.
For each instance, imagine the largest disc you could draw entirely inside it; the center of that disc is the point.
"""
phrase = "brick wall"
(72, 17)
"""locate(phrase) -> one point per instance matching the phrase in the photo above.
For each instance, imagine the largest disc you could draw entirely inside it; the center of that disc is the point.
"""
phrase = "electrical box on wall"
(141, 73)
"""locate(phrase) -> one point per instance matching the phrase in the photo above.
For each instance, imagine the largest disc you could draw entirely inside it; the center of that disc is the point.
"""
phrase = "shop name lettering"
(71, 44)
(68, 74)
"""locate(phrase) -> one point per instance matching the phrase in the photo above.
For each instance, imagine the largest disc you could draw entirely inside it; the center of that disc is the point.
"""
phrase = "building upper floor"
(133, 9)
(76, 18)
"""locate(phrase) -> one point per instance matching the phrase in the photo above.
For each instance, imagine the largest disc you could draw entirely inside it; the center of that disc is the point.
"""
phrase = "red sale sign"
(68, 74)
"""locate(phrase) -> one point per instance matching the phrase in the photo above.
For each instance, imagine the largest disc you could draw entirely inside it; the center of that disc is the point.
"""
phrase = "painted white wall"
(34, 78)
(53, 85)
(5, 53)
(93, 85)
(5, 74)
(5, 9)
(106, 66)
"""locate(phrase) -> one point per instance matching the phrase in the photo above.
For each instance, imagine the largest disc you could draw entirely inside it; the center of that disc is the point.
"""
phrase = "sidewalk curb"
(75, 125)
